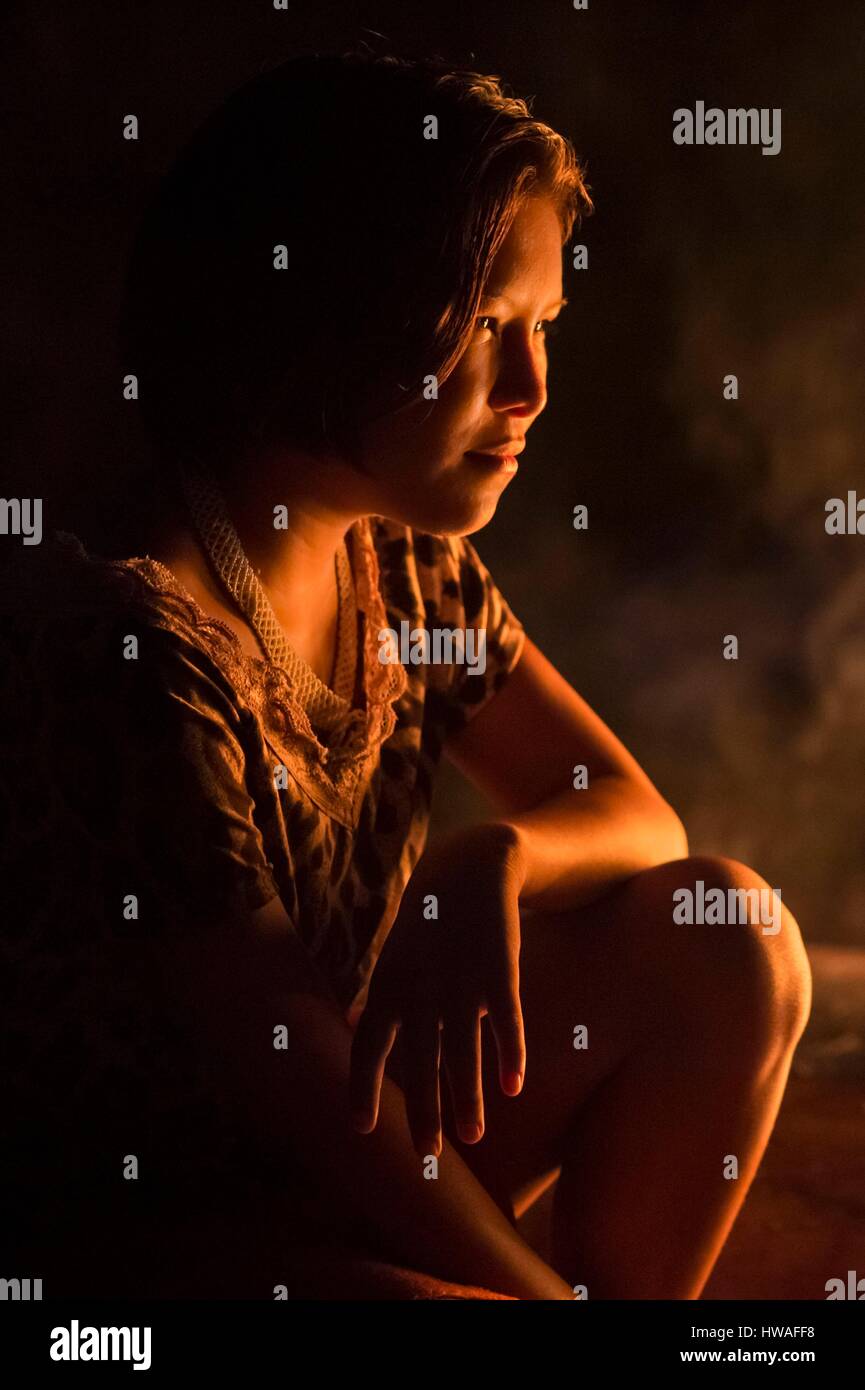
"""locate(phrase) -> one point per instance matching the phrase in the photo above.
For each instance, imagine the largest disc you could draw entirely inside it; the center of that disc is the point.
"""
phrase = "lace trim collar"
(333, 774)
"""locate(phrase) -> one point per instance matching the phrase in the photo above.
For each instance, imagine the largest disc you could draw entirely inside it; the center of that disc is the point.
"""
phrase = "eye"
(548, 327)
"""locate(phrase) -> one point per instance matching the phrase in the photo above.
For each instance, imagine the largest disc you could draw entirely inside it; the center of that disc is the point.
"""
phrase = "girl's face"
(421, 464)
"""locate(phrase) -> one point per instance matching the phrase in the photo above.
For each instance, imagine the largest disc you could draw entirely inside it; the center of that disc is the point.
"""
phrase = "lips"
(494, 463)
(509, 449)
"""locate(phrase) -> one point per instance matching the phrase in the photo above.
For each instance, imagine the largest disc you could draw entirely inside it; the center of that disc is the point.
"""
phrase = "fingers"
(371, 1044)
(421, 1041)
(506, 1018)
(462, 1049)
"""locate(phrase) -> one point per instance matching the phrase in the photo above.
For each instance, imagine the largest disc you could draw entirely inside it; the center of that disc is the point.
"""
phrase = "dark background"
(706, 516)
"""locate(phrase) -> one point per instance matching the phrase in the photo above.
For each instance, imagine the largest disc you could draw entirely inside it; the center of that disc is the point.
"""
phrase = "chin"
(451, 516)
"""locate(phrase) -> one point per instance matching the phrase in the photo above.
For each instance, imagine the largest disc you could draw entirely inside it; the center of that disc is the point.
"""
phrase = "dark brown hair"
(390, 237)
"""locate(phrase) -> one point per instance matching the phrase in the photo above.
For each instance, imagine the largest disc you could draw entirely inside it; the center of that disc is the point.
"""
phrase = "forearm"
(576, 845)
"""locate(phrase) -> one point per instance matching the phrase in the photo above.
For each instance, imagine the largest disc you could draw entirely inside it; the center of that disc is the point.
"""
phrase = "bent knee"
(773, 925)
(741, 933)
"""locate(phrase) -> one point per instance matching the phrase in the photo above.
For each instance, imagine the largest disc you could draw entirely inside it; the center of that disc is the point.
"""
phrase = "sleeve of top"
(471, 600)
(182, 830)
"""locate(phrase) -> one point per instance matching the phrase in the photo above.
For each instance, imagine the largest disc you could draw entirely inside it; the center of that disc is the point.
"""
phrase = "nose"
(521, 380)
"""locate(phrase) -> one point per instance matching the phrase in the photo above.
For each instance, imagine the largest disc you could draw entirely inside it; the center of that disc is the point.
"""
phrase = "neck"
(289, 534)
(290, 541)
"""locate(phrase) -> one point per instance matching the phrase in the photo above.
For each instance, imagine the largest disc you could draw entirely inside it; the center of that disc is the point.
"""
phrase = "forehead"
(531, 253)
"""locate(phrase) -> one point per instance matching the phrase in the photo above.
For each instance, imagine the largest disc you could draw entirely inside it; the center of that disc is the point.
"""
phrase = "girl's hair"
(389, 236)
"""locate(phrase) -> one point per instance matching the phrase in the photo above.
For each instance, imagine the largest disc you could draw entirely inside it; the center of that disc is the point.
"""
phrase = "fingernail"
(513, 1082)
(470, 1134)
(362, 1121)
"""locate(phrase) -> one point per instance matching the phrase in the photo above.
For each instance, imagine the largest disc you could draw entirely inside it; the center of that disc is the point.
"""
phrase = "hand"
(437, 976)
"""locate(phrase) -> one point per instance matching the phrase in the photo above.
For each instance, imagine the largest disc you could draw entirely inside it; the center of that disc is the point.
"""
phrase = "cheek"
(454, 417)
(466, 388)
(430, 431)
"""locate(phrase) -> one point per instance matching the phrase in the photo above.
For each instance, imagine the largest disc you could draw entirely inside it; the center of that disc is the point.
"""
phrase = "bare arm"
(244, 983)
(571, 845)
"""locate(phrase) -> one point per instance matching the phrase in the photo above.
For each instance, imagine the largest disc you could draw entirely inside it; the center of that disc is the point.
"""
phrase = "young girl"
(239, 978)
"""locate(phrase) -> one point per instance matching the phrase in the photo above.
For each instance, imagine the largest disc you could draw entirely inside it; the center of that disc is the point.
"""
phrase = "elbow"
(663, 836)
(657, 829)
(673, 836)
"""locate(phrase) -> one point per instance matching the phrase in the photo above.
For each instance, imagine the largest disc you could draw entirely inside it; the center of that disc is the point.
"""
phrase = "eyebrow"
(497, 294)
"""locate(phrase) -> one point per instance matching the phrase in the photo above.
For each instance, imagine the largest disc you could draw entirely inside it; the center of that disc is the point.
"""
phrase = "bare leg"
(691, 1030)
(646, 1216)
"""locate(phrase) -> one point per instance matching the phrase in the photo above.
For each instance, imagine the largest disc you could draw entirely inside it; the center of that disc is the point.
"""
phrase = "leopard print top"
(151, 775)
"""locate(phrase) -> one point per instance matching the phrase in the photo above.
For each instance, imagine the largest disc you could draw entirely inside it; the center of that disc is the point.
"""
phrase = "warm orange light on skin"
(413, 465)
(569, 846)
(492, 295)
